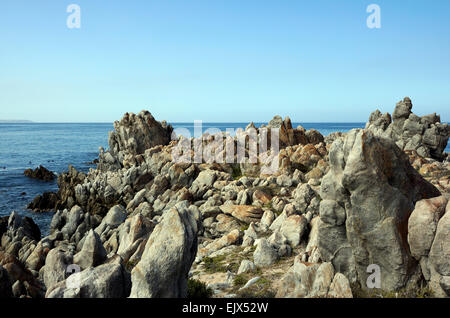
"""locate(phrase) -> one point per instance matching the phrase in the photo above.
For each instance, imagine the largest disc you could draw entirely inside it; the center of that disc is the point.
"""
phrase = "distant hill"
(3, 121)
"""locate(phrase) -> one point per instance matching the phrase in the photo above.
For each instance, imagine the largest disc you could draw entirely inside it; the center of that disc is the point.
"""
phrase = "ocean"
(56, 145)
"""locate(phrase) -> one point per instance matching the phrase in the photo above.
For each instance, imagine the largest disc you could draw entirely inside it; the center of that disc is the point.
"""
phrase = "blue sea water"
(55, 146)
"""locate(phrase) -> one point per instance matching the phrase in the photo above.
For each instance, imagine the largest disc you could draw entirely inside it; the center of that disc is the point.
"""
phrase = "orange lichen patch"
(244, 213)
(262, 196)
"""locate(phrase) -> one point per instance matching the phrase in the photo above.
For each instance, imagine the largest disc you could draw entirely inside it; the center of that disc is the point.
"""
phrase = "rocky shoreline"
(143, 225)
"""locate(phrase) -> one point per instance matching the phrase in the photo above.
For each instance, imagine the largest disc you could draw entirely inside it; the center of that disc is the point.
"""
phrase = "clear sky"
(222, 60)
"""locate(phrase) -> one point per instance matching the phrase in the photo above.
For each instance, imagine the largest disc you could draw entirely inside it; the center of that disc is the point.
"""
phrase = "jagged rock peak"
(136, 133)
(425, 135)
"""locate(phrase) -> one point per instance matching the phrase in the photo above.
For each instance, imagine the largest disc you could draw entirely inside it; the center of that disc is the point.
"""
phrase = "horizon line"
(173, 122)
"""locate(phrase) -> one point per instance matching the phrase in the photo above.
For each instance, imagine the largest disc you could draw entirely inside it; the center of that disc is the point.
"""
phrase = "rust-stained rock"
(244, 213)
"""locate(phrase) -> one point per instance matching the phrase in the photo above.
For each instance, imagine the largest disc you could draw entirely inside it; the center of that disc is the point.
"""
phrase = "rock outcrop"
(44, 202)
(308, 280)
(169, 253)
(132, 136)
(22, 254)
(142, 223)
(429, 237)
(64, 198)
(290, 136)
(367, 198)
(40, 173)
(426, 134)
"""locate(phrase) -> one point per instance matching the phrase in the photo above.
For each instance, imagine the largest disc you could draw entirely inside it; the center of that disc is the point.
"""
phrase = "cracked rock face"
(169, 253)
(428, 237)
(368, 196)
(132, 136)
(426, 135)
(136, 133)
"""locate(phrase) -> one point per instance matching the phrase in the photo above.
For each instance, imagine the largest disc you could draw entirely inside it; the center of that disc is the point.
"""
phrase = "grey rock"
(304, 280)
(293, 229)
(93, 252)
(440, 250)
(445, 284)
(168, 256)
(422, 225)
(246, 267)
(371, 179)
(265, 254)
(426, 134)
(104, 281)
(73, 219)
(250, 283)
(115, 216)
(56, 266)
(134, 134)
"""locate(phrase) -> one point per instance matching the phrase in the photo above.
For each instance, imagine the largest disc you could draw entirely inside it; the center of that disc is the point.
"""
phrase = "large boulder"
(104, 281)
(93, 253)
(306, 280)
(423, 224)
(56, 266)
(115, 217)
(265, 254)
(132, 234)
(169, 253)
(368, 196)
(293, 229)
(439, 257)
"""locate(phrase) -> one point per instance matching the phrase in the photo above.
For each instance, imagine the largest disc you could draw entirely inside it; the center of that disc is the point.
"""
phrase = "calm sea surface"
(55, 146)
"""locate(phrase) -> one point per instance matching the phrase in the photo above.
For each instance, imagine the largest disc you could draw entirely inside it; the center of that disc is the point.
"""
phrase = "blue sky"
(222, 60)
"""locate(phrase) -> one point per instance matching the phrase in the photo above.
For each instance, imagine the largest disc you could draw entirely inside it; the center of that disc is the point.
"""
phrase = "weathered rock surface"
(368, 196)
(226, 240)
(244, 213)
(265, 254)
(439, 257)
(426, 134)
(293, 229)
(142, 213)
(169, 253)
(306, 280)
(246, 267)
(132, 135)
(104, 281)
(92, 254)
(56, 265)
(290, 136)
(422, 225)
